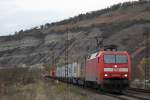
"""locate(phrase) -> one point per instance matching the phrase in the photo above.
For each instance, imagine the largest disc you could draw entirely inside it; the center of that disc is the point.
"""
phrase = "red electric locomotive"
(109, 69)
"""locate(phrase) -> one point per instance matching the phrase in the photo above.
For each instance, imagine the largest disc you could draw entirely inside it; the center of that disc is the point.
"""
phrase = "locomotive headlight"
(106, 75)
(126, 75)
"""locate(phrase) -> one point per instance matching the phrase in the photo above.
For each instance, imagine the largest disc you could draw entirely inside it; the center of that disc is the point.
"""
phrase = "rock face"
(122, 26)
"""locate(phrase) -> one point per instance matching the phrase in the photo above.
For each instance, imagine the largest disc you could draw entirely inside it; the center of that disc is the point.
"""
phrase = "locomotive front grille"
(115, 69)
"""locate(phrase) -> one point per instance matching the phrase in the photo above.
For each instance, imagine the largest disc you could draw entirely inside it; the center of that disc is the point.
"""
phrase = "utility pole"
(66, 63)
(66, 55)
(147, 66)
(53, 59)
(99, 40)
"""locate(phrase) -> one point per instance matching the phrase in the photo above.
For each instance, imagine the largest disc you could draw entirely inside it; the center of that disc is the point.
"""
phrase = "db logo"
(115, 69)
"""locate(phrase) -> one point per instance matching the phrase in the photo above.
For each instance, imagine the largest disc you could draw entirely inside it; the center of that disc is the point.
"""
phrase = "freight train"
(108, 69)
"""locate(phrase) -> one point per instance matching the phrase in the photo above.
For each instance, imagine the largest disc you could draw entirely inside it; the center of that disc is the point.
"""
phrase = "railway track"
(141, 94)
(130, 94)
(139, 90)
(126, 95)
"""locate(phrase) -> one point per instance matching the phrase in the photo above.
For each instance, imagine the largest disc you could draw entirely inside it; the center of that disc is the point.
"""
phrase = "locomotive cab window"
(109, 58)
(121, 59)
(115, 59)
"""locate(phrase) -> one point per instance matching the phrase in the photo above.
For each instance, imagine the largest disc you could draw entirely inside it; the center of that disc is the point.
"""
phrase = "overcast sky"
(25, 14)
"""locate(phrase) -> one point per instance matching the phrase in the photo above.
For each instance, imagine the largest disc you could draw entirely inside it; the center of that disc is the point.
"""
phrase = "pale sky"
(25, 14)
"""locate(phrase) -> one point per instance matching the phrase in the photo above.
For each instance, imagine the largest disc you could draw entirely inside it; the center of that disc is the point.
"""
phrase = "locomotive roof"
(96, 54)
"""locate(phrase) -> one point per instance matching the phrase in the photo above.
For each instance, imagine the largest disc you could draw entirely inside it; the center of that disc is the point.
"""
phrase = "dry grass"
(18, 83)
(63, 91)
(41, 89)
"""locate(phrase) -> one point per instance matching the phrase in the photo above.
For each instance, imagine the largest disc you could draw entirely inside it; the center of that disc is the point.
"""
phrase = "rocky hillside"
(121, 24)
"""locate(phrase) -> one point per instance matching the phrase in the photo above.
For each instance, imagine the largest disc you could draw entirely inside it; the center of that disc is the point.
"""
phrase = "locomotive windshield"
(115, 59)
